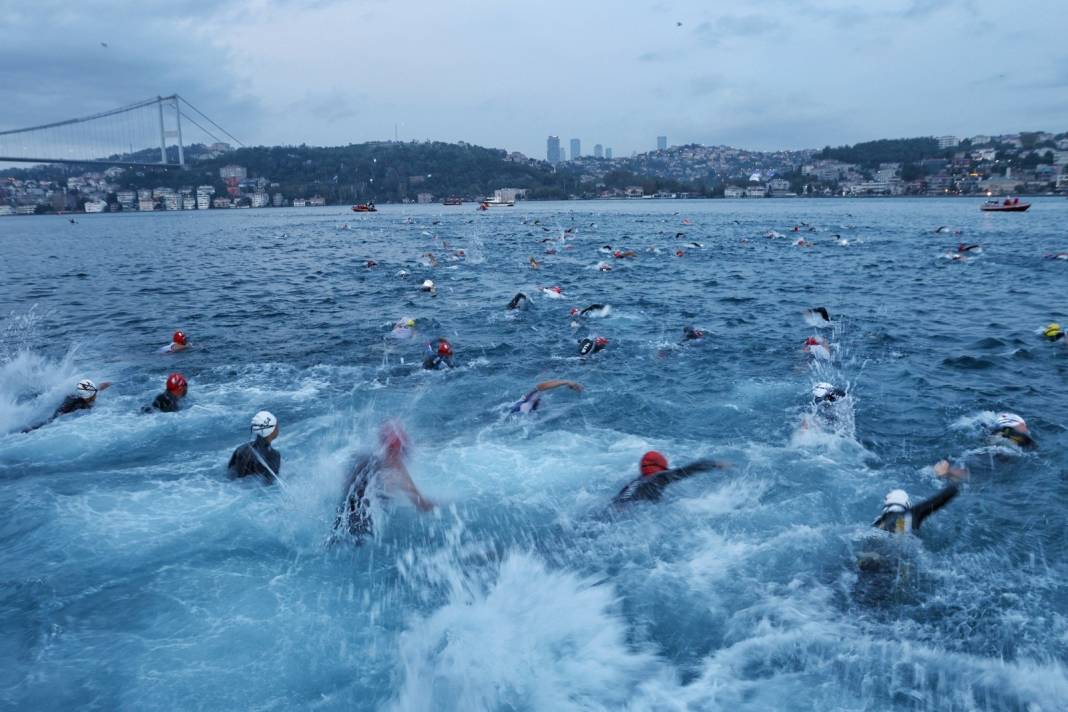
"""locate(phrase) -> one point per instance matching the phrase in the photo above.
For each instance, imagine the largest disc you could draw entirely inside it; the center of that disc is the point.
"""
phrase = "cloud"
(714, 32)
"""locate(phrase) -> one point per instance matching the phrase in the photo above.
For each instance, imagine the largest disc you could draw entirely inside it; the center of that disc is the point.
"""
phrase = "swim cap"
(428, 284)
(176, 384)
(1053, 331)
(825, 391)
(409, 322)
(896, 501)
(85, 389)
(585, 346)
(652, 462)
(394, 440)
(574, 311)
(179, 338)
(444, 348)
(554, 289)
(1011, 420)
(264, 423)
(813, 341)
(600, 342)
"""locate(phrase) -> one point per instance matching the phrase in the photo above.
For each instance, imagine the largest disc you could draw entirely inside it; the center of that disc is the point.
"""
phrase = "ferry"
(364, 208)
(453, 200)
(495, 202)
(1009, 205)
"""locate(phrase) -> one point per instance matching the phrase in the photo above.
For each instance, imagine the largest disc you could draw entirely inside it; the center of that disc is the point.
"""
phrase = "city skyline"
(788, 75)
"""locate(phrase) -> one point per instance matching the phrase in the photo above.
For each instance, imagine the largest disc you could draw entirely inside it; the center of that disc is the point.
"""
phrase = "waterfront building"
(552, 149)
(948, 142)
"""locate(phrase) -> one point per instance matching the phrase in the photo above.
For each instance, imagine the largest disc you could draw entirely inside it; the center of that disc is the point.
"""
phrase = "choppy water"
(135, 575)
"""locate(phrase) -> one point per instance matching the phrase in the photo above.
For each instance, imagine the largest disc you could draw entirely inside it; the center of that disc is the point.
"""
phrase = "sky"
(765, 76)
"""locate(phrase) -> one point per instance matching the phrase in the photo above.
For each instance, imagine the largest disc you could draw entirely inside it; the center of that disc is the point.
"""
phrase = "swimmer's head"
(428, 285)
(176, 385)
(393, 440)
(691, 333)
(896, 501)
(600, 342)
(86, 390)
(264, 425)
(444, 348)
(1011, 421)
(1053, 331)
(826, 392)
(652, 462)
(574, 311)
(179, 338)
(822, 311)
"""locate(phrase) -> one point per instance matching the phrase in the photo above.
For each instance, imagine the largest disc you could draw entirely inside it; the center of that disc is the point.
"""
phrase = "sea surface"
(135, 575)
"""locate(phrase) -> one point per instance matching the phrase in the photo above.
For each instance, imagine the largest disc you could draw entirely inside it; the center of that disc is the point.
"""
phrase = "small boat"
(1009, 205)
(498, 203)
(364, 208)
(453, 200)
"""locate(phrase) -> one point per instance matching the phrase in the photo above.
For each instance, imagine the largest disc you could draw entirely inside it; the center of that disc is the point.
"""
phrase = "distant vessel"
(364, 208)
(453, 200)
(95, 206)
(1009, 205)
(496, 202)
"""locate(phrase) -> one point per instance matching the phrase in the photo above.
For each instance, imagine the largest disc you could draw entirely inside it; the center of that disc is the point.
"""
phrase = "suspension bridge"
(132, 136)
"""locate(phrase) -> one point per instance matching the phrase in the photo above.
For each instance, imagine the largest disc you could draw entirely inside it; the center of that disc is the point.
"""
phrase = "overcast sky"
(773, 74)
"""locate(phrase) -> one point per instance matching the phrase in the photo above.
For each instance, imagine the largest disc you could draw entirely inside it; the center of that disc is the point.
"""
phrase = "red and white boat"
(364, 208)
(1009, 205)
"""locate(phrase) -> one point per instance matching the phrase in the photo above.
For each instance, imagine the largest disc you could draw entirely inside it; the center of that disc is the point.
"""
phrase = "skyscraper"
(598, 151)
(576, 148)
(552, 149)
(563, 154)
(661, 143)
(608, 152)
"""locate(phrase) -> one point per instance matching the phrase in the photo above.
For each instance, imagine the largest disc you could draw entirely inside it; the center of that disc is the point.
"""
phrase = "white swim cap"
(1010, 420)
(86, 389)
(823, 390)
(896, 501)
(428, 284)
(264, 423)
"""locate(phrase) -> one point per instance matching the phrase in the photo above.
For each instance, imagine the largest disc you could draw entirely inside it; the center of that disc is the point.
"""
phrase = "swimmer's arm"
(549, 385)
(681, 473)
(404, 481)
(103, 386)
(929, 506)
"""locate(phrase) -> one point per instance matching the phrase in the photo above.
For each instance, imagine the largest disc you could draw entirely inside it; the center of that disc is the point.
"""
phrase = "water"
(135, 575)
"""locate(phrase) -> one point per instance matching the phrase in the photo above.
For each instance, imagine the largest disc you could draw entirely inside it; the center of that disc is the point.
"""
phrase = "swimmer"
(1053, 332)
(624, 254)
(403, 329)
(691, 334)
(553, 292)
(607, 249)
(963, 248)
(532, 400)
(438, 355)
(900, 516)
(588, 345)
(428, 286)
(943, 229)
(680, 253)
(258, 457)
(1056, 256)
(375, 477)
(817, 347)
(83, 399)
(655, 477)
(371, 264)
(818, 317)
(429, 260)
(604, 267)
(593, 310)
(1013, 428)
(534, 263)
(179, 342)
(519, 301)
(825, 397)
(168, 401)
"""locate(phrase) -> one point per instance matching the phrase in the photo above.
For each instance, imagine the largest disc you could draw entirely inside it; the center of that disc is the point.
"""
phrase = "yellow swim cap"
(410, 322)
(1053, 330)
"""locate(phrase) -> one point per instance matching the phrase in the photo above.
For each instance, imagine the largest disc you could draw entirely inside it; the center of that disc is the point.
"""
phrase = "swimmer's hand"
(943, 469)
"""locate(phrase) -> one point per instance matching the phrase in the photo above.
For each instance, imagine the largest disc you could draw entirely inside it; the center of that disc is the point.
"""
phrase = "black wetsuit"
(690, 334)
(899, 522)
(652, 487)
(590, 308)
(517, 301)
(434, 361)
(354, 514)
(256, 458)
(69, 405)
(589, 346)
(165, 403)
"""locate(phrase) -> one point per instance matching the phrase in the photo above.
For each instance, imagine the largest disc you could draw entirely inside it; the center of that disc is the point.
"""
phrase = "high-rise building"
(552, 149)
(598, 151)
(576, 148)
(608, 152)
(563, 154)
(661, 143)
(948, 141)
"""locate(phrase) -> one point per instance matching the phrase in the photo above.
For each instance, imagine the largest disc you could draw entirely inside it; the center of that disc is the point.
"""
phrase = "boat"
(364, 208)
(496, 202)
(453, 200)
(1009, 205)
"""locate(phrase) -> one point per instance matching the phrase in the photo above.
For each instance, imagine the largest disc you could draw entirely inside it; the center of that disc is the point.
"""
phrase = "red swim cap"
(176, 384)
(444, 348)
(394, 440)
(574, 311)
(179, 338)
(600, 341)
(813, 341)
(652, 463)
